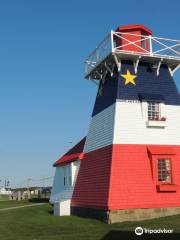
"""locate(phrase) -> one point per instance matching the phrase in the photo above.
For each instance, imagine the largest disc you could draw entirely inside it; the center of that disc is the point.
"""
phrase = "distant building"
(31, 192)
(5, 191)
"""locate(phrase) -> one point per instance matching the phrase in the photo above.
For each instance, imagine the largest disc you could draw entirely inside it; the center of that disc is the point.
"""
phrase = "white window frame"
(153, 110)
(67, 176)
(164, 169)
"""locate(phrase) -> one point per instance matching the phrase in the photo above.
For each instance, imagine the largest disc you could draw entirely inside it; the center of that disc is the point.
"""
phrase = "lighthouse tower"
(131, 158)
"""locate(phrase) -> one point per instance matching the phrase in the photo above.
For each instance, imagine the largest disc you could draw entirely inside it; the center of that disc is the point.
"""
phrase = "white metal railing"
(100, 52)
(162, 48)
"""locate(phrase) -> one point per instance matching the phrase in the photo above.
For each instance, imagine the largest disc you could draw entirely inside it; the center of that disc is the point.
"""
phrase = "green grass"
(4, 197)
(9, 203)
(37, 223)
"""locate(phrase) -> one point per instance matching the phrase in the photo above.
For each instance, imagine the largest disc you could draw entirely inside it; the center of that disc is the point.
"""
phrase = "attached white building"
(67, 168)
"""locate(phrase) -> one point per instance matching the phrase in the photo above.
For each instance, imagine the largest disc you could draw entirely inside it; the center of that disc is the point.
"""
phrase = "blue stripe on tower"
(147, 84)
(109, 94)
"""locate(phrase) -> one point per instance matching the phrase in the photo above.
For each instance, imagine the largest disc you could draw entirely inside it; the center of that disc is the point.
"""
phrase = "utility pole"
(28, 190)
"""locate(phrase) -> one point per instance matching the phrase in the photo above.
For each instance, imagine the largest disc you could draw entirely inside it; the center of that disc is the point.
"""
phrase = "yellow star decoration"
(129, 78)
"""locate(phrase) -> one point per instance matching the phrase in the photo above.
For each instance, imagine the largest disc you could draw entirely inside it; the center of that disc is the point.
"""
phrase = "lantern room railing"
(158, 48)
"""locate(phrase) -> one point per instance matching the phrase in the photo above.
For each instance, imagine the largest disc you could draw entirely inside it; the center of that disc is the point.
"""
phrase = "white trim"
(172, 71)
(166, 47)
(108, 68)
(158, 67)
(159, 48)
(118, 63)
(150, 45)
(112, 41)
(136, 63)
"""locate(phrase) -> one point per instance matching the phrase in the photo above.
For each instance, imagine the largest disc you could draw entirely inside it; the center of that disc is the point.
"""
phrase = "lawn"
(37, 223)
(4, 197)
(7, 204)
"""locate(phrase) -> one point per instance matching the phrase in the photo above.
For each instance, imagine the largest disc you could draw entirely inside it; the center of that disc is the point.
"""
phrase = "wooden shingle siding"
(92, 185)
(59, 191)
(132, 184)
(130, 125)
(147, 82)
(101, 130)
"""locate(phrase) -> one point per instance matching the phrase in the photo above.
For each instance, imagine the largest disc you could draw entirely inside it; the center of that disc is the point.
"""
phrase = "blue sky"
(45, 102)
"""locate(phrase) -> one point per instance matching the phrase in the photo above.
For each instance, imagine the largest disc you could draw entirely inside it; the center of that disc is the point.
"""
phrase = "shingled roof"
(73, 154)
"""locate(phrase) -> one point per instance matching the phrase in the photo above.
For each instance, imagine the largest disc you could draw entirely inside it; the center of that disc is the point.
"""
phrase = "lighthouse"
(129, 162)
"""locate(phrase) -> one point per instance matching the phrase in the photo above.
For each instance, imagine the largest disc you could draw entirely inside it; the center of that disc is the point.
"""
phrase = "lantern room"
(133, 38)
(135, 43)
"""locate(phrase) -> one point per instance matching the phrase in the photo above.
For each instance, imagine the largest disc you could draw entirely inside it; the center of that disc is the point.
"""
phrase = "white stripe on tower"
(130, 125)
(101, 130)
(125, 123)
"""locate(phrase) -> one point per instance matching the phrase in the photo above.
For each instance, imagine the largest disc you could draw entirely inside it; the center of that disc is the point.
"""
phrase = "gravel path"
(23, 206)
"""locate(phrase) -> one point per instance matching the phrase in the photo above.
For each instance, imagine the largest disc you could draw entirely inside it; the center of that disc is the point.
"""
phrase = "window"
(143, 42)
(153, 111)
(164, 170)
(67, 176)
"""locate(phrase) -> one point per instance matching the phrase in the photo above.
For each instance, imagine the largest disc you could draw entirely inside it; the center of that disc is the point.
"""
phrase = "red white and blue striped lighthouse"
(130, 162)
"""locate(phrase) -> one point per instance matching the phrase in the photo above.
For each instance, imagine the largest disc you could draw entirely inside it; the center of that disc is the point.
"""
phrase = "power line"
(30, 181)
